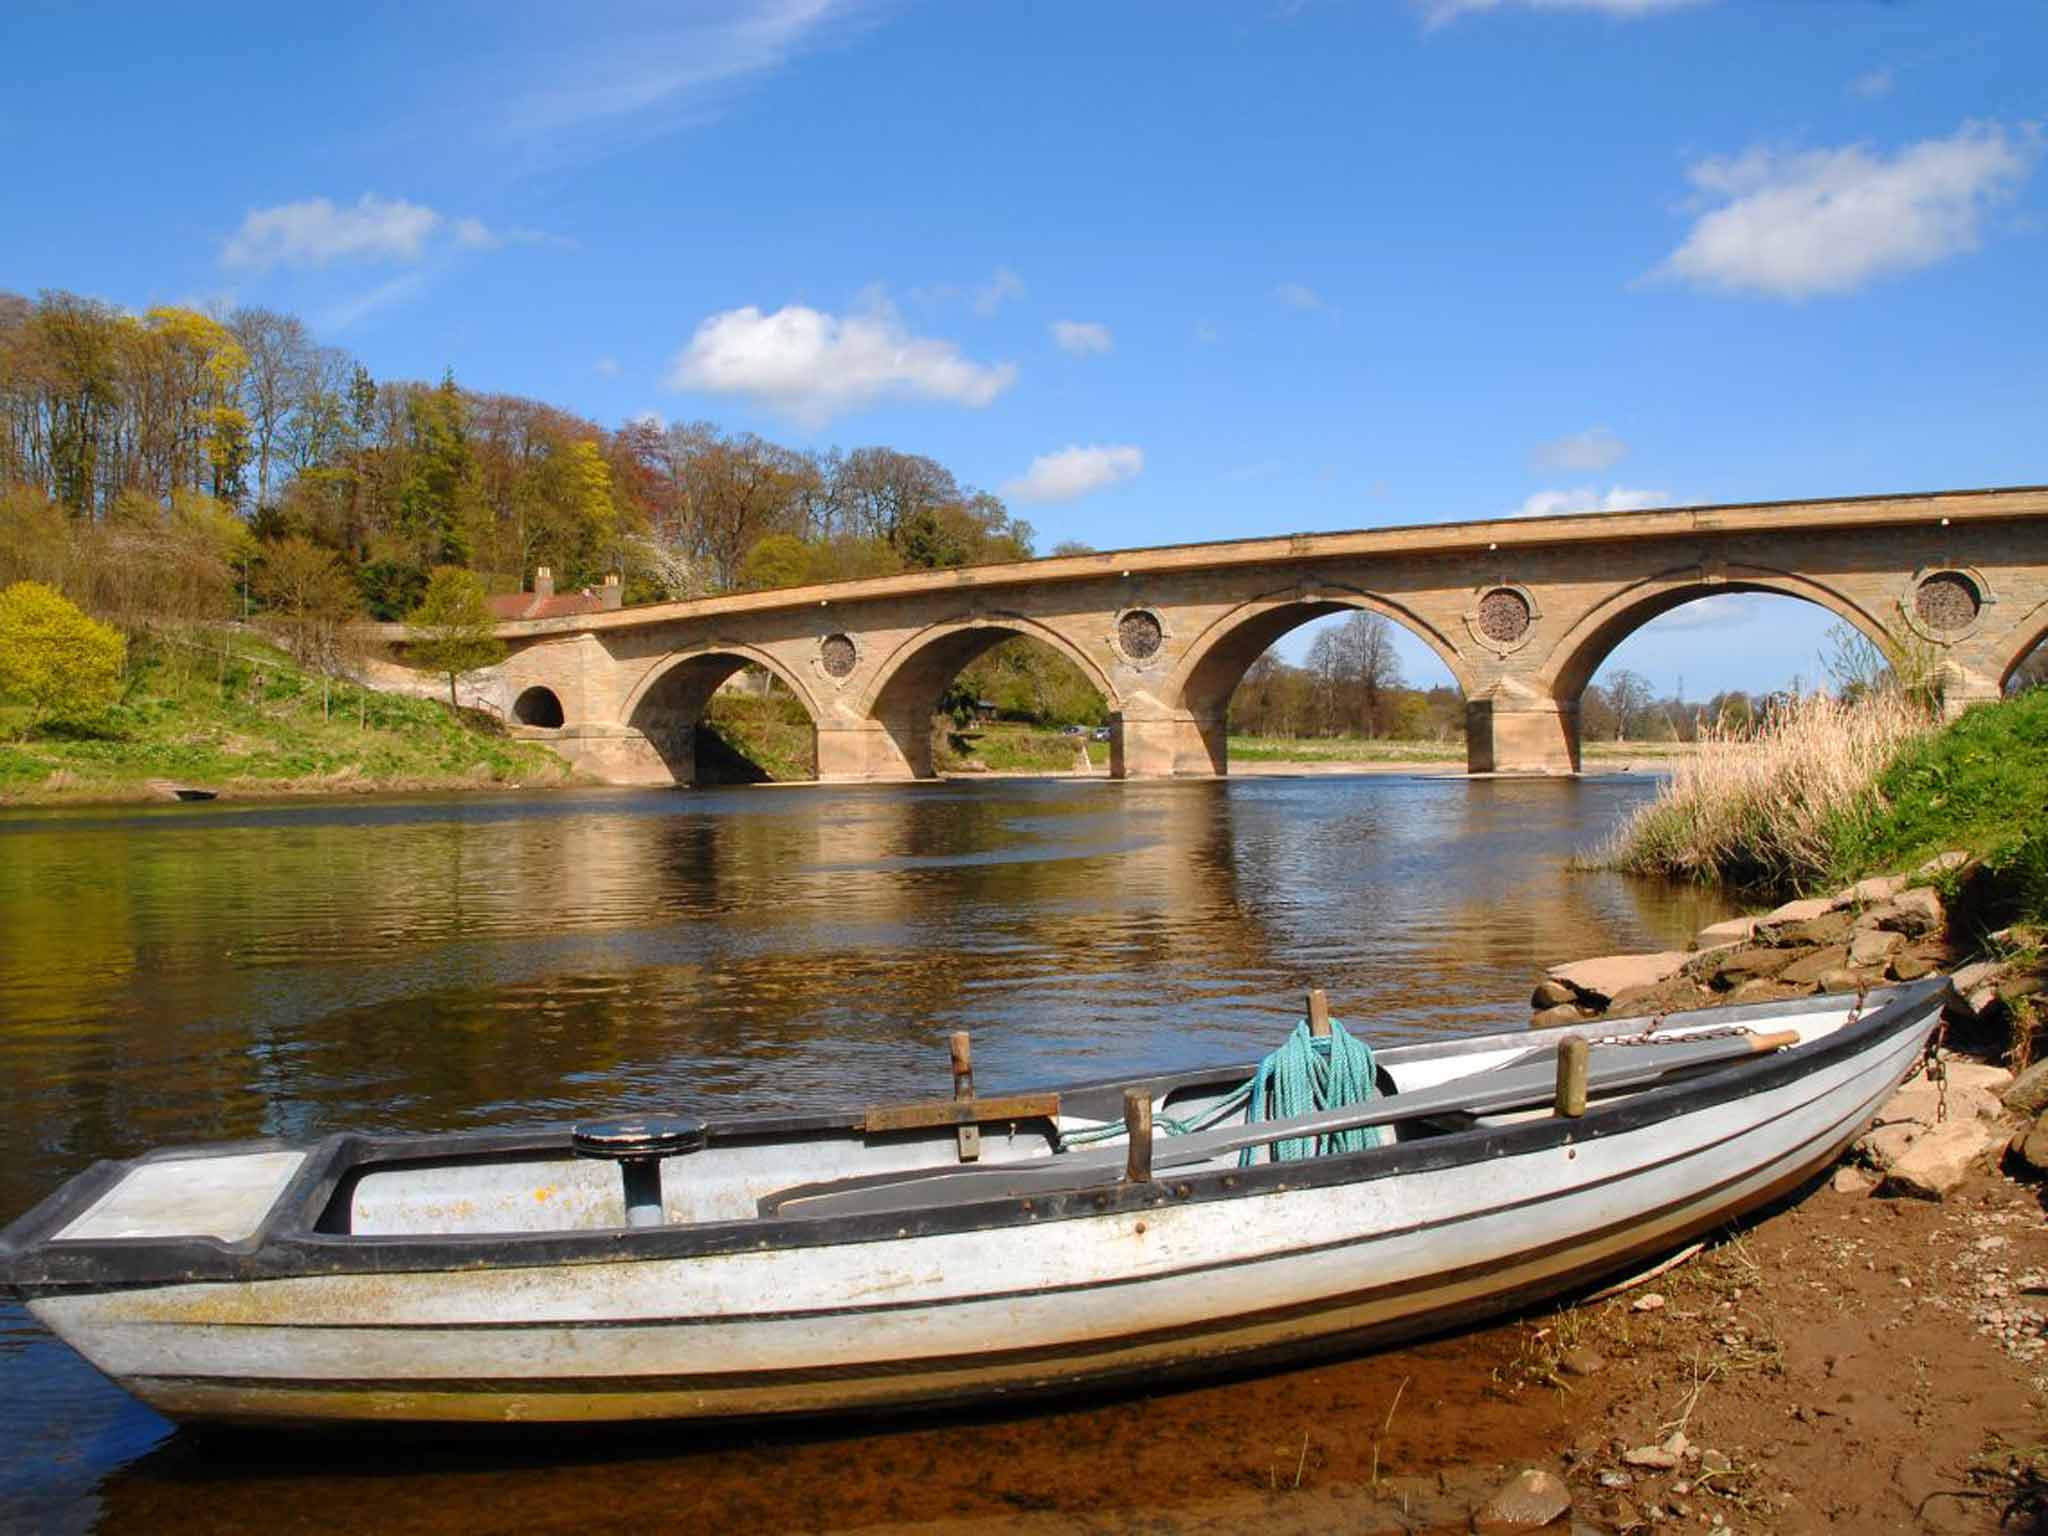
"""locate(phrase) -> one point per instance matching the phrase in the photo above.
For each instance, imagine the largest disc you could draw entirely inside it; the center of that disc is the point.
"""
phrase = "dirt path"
(1850, 1363)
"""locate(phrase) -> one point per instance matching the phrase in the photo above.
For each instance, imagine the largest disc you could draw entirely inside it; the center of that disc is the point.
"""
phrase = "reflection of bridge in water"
(1522, 613)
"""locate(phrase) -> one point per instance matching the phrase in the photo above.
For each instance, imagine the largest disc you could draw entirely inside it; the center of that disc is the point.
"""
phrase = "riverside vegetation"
(1840, 1362)
(233, 710)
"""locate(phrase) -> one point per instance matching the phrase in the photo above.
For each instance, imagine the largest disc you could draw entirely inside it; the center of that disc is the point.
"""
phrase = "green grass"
(1981, 785)
(772, 732)
(1005, 746)
(1341, 749)
(248, 718)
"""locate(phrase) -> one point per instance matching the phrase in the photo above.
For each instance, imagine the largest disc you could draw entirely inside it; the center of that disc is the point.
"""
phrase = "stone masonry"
(1522, 612)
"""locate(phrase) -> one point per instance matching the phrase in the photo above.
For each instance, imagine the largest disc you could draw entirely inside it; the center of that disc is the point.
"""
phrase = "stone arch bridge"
(1522, 612)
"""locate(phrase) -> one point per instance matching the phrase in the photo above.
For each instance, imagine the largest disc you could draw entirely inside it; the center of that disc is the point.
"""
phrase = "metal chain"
(1938, 1069)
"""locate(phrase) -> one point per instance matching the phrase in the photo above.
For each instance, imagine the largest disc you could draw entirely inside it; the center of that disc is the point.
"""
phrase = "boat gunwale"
(285, 1244)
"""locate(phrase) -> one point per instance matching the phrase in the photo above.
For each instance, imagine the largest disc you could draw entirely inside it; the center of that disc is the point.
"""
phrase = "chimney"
(614, 594)
(543, 581)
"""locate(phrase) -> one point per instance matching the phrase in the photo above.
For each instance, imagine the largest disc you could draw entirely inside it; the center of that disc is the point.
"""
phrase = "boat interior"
(674, 1170)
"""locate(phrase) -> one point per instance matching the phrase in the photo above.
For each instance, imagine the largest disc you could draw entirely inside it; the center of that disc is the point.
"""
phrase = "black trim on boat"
(289, 1244)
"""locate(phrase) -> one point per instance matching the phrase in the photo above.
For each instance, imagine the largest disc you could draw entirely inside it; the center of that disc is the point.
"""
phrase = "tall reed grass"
(1760, 810)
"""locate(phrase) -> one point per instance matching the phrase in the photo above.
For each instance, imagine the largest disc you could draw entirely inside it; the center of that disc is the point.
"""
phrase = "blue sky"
(1153, 271)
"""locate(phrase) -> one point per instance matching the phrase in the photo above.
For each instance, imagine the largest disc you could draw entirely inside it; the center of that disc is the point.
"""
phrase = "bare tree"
(280, 351)
(1628, 695)
(1356, 668)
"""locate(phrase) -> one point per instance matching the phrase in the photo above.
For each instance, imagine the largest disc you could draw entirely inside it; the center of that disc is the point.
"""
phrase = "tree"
(780, 560)
(310, 602)
(65, 665)
(453, 631)
(1628, 695)
(278, 372)
(1355, 667)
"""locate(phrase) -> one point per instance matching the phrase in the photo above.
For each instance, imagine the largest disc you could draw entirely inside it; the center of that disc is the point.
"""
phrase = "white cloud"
(1589, 498)
(1872, 83)
(1598, 448)
(1003, 286)
(1726, 610)
(315, 232)
(815, 366)
(659, 63)
(1081, 337)
(1824, 221)
(1437, 12)
(984, 298)
(342, 314)
(1075, 471)
(1298, 296)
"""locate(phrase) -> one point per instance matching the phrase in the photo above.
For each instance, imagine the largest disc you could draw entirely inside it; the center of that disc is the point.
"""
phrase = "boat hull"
(1138, 1292)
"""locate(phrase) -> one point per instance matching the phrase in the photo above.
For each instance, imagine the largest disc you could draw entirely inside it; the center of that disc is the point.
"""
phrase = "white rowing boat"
(962, 1248)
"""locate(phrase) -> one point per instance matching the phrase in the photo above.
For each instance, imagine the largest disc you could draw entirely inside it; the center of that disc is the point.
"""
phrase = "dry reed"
(1758, 809)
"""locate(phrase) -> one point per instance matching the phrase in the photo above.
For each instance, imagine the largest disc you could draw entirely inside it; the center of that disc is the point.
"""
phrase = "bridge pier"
(864, 753)
(1174, 746)
(618, 754)
(1517, 733)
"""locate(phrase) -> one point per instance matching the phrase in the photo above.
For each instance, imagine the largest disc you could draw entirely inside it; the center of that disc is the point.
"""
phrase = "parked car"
(1073, 730)
(1100, 733)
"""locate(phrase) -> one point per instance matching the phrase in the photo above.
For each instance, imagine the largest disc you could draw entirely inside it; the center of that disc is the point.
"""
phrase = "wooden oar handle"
(1764, 1044)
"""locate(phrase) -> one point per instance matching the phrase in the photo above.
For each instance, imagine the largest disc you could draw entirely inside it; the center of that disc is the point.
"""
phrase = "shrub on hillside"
(63, 665)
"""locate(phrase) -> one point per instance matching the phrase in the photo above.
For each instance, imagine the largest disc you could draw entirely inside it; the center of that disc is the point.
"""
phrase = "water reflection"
(201, 973)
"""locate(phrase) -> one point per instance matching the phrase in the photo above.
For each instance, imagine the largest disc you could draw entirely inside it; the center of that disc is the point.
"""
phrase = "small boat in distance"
(961, 1248)
(167, 790)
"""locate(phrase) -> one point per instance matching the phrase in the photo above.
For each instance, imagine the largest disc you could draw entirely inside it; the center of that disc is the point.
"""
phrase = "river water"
(185, 974)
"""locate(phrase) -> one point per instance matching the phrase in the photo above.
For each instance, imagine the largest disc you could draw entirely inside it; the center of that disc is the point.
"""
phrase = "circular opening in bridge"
(838, 655)
(1334, 679)
(538, 706)
(1139, 634)
(1948, 601)
(1504, 615)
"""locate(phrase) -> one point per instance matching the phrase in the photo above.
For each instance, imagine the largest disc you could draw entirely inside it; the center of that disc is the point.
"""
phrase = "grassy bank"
(1341, 749)
(1832, 792)
(240, 716)
(1005, 746)
(770, 733)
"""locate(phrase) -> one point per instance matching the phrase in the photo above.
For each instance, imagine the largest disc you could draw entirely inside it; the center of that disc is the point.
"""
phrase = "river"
(196, 973)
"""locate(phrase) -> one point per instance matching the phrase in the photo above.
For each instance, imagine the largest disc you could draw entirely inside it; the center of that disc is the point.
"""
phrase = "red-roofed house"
(543, 603)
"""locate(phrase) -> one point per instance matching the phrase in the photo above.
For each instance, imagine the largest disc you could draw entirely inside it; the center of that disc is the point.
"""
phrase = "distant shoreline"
(1651, 757)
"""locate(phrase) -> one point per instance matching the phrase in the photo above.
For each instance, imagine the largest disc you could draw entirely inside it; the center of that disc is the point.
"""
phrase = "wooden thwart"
(964, 1113)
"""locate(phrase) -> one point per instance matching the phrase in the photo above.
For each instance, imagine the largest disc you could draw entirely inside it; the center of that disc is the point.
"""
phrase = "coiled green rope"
(1304, 1075)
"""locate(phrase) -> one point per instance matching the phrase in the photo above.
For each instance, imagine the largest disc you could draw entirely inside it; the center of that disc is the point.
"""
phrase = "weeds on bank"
(2015, 1477)
(1763, 811)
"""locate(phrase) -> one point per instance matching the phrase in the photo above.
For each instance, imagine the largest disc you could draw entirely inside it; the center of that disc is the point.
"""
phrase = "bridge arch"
(538, 706)
(2031, 637)
(668, 702)
(910, 681)
(1585, 647)
(1218, 658)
